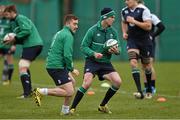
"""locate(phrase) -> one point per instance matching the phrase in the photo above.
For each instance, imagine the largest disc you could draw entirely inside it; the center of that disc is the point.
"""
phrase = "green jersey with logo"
(60, 52)
(94, 41)
(5, 28)
(26, 32)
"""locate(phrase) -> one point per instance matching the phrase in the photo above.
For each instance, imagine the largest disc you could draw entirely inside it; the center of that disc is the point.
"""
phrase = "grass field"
(123, 104)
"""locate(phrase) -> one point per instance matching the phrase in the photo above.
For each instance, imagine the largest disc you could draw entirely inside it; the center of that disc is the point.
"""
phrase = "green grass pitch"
(123, 104)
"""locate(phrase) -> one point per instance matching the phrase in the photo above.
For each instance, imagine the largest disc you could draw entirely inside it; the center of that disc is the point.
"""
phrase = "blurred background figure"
(157, 28)
(6, 51)
(25, 34)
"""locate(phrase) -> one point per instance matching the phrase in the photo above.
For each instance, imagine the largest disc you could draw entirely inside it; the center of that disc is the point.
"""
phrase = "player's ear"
(67, 23)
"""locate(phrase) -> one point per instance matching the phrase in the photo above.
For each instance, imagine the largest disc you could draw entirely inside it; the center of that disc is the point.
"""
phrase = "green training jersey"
(26, 32)
(5, 28)
(94, 41)
(60, 52)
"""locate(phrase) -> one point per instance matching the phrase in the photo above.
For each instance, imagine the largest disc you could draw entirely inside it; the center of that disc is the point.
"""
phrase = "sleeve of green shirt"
(24, 28)
(86, 43)
(68, 44)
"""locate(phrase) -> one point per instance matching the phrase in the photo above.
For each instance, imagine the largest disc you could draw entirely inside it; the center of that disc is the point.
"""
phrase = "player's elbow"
(163, 28)
(148, 27)
(84, 49)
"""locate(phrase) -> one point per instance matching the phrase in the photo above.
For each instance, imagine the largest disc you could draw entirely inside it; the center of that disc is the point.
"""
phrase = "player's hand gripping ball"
(8, 38)
(110, 43)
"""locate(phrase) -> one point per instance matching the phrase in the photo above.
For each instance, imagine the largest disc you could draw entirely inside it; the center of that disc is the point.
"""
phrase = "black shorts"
(31, 53)
(144, 49)
(60, 76)
(98, 68)
(6, 51)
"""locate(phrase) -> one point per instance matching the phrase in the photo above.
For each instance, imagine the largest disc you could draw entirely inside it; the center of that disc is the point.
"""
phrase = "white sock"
(43, 91)
(65, 109)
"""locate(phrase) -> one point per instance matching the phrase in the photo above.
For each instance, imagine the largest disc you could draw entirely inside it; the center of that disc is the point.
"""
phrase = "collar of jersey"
(67, 28)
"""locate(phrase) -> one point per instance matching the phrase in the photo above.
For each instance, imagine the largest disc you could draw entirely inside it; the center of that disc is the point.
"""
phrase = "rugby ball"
(109, 43)
(9, 36)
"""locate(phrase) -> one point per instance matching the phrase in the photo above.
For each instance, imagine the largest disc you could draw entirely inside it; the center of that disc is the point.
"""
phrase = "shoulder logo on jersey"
(138, 11)
(111, 35)
(98, 34)
(126, 11)
(87, 70)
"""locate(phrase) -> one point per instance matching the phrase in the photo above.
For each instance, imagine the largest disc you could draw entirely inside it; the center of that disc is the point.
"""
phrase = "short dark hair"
(10, 8)
(69, 17)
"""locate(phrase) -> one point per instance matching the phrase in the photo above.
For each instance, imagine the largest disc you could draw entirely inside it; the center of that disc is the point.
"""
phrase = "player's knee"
(118, 83)
(147, 67)
(133, 55)
(86, 85)
(70, 92)
(87, 82)
(146, 60)
(24, 63)
(148, 70)
(134, 62)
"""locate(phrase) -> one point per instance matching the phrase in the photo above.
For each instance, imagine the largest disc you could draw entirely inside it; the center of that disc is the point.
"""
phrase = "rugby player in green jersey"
(98, 59)
(59, 64)
(6, 51)
(27, 35)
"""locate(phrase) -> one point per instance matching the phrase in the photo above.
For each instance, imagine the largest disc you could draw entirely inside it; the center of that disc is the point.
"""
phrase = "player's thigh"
(10, 58)
(114, 78)
(90, 70)
(68, 87)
